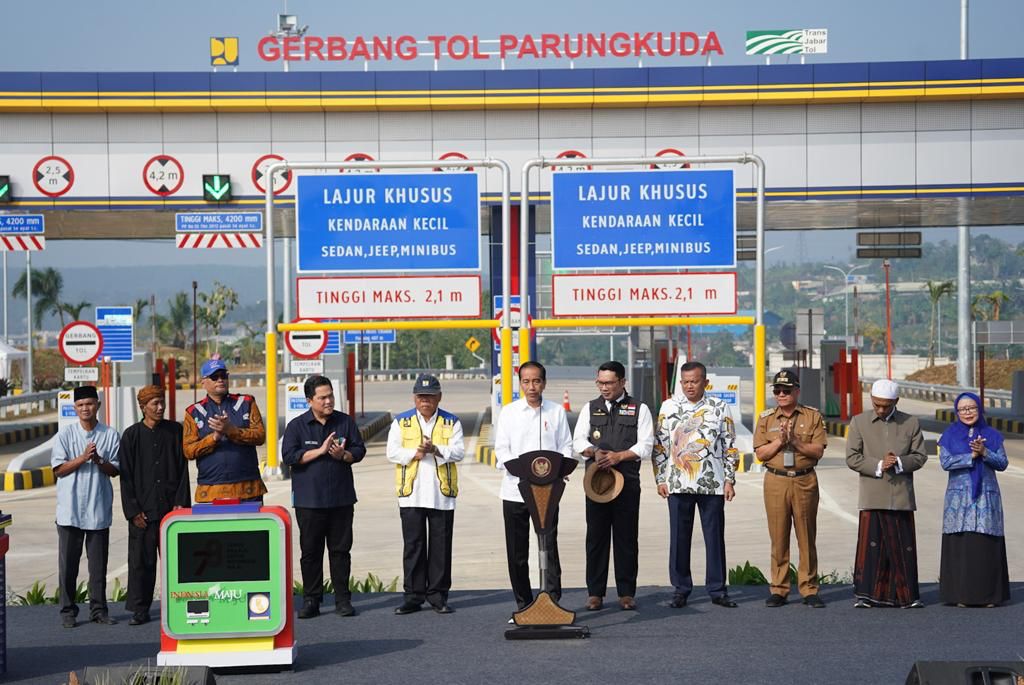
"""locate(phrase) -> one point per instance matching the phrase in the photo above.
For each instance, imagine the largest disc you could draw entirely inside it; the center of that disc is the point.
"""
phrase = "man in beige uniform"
(790, 440)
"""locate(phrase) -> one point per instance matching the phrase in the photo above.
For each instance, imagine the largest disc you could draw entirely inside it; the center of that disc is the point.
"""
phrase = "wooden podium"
(542, 476)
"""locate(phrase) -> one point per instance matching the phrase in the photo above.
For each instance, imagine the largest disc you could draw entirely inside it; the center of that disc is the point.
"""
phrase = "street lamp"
(846, 295)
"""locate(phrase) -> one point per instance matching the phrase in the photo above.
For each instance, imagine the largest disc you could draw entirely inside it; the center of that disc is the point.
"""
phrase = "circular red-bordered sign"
(305, 344)
(80, 342)
(571, 154)
(163, 175)
(59, 175)
(671, 152)
(258, 174)
(516, 311)
(452, 155)
(359, 157)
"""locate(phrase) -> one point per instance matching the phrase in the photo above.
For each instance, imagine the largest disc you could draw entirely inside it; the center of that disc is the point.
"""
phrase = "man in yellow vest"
(425, 444)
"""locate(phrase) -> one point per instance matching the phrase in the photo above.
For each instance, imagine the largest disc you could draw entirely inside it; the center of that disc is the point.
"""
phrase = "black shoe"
(776, 600)
(409, 606)
(443, 608)
(310, 609)
(724, 601)
(862, 604)
(344, 608)
(138, 619)
(814, 601)
(678, 601)
(103, 620)
(68, 621)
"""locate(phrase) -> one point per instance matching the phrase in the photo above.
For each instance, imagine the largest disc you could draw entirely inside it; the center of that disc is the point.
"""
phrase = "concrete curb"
(375, 426)
(42, 430)
(999, 423)
(484, 450)
(27, 480)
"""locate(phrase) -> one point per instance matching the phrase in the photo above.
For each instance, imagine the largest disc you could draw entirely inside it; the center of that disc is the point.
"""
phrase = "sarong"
(885, 569)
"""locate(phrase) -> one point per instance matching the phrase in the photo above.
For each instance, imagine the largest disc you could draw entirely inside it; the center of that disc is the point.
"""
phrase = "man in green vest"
(425, 443)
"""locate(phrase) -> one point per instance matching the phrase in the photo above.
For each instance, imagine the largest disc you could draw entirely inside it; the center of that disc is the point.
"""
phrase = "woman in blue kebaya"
(973, 571)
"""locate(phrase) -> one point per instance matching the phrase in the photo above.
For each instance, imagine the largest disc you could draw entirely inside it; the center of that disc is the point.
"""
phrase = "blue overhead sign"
(388, 222)
(117, 326)
(652, 219)
(206, 222)
(371, 336)
(21, 224)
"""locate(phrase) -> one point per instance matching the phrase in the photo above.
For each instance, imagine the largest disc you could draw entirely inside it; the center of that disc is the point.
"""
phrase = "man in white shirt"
(425, 443)
(530, 423)
(615, 432)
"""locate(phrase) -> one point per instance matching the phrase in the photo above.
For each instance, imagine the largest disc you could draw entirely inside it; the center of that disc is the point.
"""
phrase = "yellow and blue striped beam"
(509, 89)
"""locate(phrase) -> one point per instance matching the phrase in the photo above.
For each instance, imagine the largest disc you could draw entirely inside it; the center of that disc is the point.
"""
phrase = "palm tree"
(978, 312)
(140, 304)
(46, 289)
(996, 298)
(935, 293)
(74, 311)
(179, 318)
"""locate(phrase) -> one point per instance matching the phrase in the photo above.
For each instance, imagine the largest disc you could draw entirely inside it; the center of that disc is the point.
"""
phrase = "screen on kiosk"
(224, 556)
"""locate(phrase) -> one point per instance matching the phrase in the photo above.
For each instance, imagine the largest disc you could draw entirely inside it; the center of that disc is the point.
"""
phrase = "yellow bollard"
(271, 410)
(506, 366)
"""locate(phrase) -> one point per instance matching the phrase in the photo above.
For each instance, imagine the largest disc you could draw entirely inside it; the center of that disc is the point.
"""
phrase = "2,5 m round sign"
(80, 342)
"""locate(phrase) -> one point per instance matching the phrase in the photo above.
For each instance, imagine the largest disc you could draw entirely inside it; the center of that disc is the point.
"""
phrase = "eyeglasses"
(606, 384)
(967, 410)
(218, 376)
(779, 390)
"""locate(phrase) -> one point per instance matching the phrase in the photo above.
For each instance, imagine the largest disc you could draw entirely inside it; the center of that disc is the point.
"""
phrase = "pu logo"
(224, 51)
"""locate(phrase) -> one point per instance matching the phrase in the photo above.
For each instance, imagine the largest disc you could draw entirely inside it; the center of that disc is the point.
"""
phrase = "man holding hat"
(221, 433)
(613, 434)
(321, 445)
(425, 444)
(885, 446)
(790, 440)
(154, 480)
(84, 459)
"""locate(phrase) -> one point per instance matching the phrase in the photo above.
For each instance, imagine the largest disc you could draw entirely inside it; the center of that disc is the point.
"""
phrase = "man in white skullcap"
(885, 446)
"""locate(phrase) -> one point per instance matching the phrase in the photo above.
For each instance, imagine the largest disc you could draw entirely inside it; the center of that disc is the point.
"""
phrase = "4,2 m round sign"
(80, 342)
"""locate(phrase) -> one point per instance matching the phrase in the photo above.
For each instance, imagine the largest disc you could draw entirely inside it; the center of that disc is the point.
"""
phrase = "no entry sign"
(80, 342)
(305, 344)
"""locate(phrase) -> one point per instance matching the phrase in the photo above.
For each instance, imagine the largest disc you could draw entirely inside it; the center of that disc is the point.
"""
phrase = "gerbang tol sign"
(471, 47)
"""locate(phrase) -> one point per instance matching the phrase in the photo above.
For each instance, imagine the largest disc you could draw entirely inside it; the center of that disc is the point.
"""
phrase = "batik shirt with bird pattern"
(696, 448)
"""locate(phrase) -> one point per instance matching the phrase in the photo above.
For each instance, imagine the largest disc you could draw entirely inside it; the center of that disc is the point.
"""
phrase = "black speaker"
(966, 673)
(148, 674)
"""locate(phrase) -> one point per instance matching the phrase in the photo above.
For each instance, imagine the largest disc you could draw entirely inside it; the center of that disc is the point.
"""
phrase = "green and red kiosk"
(226, 579)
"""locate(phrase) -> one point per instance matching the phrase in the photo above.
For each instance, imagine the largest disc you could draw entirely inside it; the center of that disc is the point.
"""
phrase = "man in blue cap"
(221, 433)
(425, 444)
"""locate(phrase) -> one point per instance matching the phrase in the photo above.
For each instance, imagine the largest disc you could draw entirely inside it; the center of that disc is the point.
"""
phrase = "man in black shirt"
(154, 480)
(320, 446)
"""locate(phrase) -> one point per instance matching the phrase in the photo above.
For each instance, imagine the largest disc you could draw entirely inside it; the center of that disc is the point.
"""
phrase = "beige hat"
(602, 485)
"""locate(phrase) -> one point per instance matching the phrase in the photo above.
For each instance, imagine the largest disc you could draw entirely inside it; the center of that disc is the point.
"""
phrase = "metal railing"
(30, 402)
(945, 393)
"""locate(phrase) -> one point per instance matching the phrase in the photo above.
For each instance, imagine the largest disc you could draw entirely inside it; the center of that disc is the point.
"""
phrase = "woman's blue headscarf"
(957, 439)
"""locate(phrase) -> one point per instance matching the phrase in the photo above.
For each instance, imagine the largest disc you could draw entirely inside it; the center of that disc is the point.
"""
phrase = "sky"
(115, 35)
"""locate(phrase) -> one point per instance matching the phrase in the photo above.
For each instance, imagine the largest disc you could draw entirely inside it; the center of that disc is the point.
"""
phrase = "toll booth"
(226, 578)
(832, 351)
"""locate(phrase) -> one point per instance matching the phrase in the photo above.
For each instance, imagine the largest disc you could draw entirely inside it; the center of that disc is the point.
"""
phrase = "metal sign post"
(272, 328)
(745, 158)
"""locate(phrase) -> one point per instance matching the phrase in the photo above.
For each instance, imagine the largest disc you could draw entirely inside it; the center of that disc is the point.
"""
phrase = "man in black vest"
(615, 432)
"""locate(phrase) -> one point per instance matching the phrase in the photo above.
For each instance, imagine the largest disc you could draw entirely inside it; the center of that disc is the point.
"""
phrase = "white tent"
(10, 354)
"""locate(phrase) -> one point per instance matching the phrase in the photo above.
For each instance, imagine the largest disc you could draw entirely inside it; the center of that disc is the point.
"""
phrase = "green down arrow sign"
(216, 187)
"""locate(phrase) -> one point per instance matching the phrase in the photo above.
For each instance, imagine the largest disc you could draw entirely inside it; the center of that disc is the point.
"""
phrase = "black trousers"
(332, 526)
(614, 524)
(427, 553)
(143, 544)
(69, 553)
(712, 524)
(517, 550)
